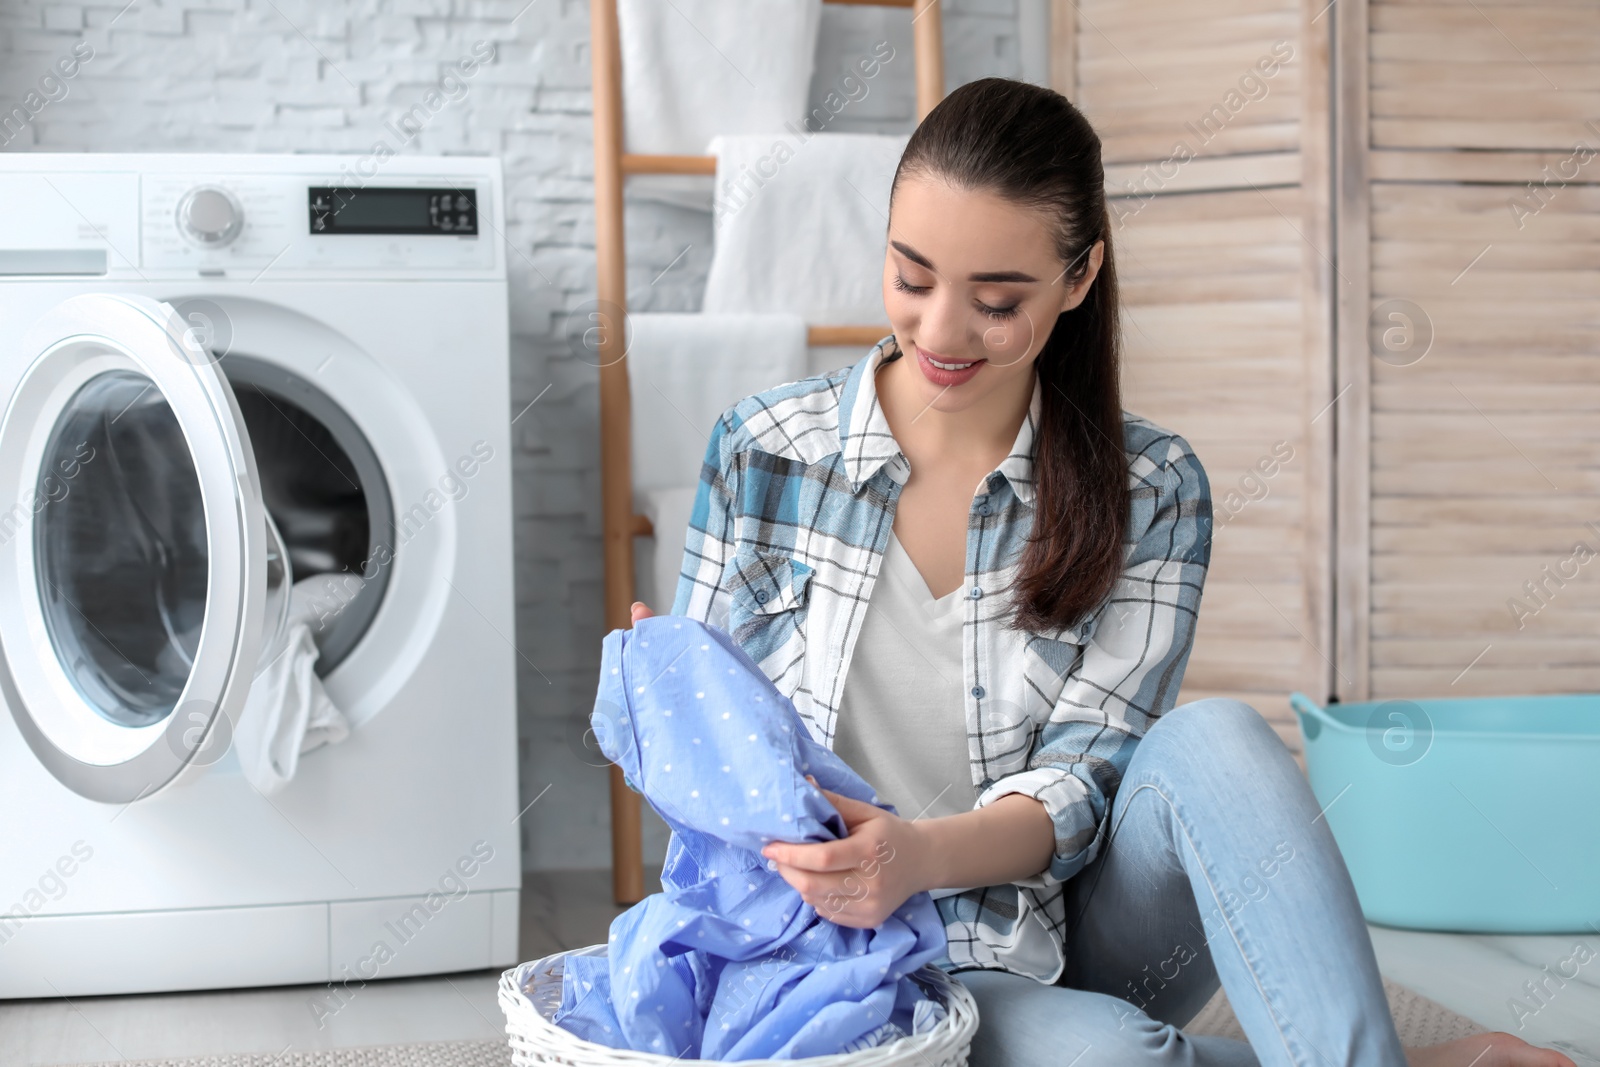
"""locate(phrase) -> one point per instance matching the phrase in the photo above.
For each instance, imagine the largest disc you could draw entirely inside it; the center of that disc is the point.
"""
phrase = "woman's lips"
(945, 376)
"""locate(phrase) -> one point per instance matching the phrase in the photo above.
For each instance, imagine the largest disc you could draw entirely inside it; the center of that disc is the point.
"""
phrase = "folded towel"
(801, 225)
(728, 962)
(658, 560)
(685, 370)
(692, 69)
(287, 712)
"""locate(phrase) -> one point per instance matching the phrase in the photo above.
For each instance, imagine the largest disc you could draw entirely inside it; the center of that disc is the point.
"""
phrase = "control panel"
(251, 218)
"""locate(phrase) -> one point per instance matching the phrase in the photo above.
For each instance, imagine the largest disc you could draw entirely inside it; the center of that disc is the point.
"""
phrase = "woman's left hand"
(861, 879)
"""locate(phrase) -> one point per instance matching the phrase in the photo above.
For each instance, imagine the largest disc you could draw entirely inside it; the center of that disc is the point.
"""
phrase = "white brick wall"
(326, 76)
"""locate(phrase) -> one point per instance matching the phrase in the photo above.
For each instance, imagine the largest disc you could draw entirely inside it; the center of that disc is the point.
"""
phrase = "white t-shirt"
(902, 717)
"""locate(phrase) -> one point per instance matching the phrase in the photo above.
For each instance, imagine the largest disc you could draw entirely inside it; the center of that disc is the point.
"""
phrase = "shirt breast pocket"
(768, 593)
(1049, 659)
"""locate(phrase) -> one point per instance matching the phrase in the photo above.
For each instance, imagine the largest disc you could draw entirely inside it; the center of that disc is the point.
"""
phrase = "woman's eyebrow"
(981, 276)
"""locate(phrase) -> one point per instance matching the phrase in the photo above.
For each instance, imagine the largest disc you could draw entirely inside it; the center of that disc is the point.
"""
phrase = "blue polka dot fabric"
(727, 962)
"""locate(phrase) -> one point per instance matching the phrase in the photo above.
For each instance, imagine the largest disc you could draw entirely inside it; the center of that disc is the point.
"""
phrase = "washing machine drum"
(141, 572)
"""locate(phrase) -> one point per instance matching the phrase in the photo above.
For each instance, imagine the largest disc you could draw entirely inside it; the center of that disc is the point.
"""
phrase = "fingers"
(850, 806)
(844, 900)
(821, 856)
(639, 610)
(854, 811)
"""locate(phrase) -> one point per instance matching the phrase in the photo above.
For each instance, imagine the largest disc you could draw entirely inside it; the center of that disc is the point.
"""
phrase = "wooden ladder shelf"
(611, 165)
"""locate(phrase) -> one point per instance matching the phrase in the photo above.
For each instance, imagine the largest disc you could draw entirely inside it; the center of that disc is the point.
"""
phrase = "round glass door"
(124, 611)
(134, 568)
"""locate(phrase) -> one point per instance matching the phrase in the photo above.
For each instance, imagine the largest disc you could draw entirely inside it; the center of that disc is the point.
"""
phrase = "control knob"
(210, 216)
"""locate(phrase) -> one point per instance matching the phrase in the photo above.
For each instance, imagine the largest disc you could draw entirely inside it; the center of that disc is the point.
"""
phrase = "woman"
(978, 579)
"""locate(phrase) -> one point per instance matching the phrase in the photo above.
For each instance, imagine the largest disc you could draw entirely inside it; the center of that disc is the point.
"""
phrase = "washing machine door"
(133, 549)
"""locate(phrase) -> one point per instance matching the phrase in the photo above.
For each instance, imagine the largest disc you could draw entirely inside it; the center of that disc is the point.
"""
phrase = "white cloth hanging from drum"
(288, 712)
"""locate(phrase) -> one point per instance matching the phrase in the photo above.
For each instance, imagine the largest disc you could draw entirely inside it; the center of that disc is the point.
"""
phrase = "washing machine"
(223, 375)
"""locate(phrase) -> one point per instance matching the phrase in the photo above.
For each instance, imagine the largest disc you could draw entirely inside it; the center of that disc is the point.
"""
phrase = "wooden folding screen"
(1214, 120)
(1470, 329)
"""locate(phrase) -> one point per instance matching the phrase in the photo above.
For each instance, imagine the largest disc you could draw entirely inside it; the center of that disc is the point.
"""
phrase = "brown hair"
(1029, 145)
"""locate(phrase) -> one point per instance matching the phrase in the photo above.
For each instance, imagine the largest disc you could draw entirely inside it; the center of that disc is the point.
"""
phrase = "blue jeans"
(1218, 863)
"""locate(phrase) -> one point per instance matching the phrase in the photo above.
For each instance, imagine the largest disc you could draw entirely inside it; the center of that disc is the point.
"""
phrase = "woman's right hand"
(640, 611)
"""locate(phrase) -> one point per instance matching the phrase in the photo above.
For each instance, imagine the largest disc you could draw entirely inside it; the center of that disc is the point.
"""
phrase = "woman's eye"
(993, 312)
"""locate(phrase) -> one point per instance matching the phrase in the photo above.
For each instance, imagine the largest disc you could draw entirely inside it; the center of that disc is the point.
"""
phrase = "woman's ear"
(1080, 289)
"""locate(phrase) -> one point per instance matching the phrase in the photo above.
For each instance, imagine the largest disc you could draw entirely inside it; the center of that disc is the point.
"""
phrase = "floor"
(1484, 978)
(1480, 977)
(560, 910)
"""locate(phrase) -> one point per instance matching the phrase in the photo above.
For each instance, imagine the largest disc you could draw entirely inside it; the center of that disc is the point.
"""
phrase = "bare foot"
(1496, 1049)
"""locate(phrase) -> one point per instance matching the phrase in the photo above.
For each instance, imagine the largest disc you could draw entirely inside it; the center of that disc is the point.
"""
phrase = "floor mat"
(431, 1054)
(1420, 1021)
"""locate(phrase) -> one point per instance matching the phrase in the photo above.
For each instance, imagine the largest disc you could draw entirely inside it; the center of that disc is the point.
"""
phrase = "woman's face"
(973, 285)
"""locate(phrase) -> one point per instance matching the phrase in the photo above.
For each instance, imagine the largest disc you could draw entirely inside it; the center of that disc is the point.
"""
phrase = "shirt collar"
(866, 443)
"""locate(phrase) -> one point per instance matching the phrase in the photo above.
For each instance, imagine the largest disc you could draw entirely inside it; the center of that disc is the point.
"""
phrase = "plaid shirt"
(793, 513)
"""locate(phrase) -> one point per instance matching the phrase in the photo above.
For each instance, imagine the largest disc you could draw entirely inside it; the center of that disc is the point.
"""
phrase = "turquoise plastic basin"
(1475, 815)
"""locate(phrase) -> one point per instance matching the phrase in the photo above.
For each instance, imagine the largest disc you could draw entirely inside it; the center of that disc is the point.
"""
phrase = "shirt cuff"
(1066, 800)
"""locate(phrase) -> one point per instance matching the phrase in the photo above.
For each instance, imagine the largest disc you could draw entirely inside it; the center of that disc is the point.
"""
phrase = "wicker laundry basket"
(531, 992)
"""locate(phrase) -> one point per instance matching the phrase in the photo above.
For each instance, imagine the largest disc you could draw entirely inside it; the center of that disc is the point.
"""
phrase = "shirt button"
(762, 596)
(975, 592)
(977, 691)
(985, 509)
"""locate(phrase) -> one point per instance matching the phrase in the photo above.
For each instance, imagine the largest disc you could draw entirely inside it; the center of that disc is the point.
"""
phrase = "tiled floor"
(1483, 977)
(1476, 976)
(560, 910)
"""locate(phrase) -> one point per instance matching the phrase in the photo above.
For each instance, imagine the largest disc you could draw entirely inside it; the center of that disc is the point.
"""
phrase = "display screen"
(336, 209)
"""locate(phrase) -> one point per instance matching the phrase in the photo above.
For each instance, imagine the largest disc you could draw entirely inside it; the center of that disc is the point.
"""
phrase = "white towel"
(658, 560)
(287, 712)
(692, 69)
(801, 225)
(686, 369)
